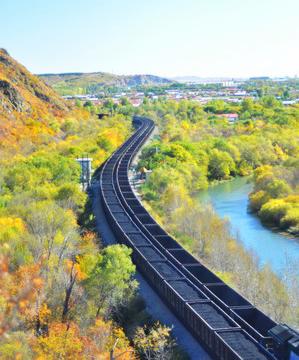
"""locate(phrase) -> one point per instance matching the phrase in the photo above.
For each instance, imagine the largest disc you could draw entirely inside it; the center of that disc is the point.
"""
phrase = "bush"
(291, 219)
(278, 188)
(258, 199)
(273, 210)
(221, 165)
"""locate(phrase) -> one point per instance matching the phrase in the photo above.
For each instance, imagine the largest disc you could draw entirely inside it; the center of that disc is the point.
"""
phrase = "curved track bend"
(225, 323)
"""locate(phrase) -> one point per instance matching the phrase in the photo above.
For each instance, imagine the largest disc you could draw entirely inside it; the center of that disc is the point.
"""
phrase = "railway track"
(224, 322)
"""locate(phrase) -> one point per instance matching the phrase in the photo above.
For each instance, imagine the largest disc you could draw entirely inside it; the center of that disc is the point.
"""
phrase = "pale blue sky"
(163, 37)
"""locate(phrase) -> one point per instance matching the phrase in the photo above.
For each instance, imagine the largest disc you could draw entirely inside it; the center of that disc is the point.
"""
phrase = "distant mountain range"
(92, 83)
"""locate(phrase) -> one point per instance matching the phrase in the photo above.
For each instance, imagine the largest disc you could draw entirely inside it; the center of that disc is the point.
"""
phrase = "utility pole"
(85, 178)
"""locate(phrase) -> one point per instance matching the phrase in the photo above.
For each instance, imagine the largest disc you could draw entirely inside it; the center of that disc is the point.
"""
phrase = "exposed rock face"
(133, 80)
(42, 96)
(4, 60)
(15, 100)
(22, 92)
(4, 51)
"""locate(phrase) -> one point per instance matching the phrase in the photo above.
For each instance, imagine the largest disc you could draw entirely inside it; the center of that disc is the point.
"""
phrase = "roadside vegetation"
(62, 295)
(51, 266)
(196, 148)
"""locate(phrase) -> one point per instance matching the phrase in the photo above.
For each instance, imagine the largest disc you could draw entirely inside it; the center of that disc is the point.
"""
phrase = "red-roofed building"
(135, 102)
(230, 117)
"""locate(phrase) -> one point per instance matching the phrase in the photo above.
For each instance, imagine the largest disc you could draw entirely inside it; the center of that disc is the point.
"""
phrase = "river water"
(230, 199)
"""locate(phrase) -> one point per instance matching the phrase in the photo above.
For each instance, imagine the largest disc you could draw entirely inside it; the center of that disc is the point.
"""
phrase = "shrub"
(291, 219)
(258, 199)
(273, 210)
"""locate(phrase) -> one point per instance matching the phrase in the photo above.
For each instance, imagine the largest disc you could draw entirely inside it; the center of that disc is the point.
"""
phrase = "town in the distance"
(96, 88)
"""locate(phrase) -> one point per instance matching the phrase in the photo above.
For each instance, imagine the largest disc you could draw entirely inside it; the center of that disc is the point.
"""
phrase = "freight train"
(227, 325)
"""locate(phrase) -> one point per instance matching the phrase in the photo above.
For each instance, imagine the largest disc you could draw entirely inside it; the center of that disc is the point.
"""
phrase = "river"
(230, 199)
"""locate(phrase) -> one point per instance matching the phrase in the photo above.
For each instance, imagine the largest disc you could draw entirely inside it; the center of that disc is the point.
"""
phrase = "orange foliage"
(64, 341)
(104, 337)
(17, 292)
(74, 270)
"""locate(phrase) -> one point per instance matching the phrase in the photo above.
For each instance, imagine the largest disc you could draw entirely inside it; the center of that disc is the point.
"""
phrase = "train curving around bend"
(227, 325)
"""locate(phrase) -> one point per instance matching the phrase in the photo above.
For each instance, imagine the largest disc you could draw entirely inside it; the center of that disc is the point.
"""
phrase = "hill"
(92, 83)
(24, 93)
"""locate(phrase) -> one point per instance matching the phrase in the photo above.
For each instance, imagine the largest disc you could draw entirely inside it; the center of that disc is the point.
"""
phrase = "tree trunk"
(68, 293)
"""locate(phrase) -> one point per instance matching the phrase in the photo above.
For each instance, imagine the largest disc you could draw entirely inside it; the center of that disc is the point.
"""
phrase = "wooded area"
(196, 148)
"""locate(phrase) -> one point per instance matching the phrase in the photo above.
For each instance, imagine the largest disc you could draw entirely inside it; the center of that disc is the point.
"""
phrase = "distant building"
(136, 102)
(230, 117)
(228, 83)
(289, 102)
(240, 93)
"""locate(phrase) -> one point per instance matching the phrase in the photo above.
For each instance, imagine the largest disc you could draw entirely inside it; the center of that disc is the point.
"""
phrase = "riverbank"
(218, 245)
(230, 199)
(274, 228)
(275, 196)
(214, 183)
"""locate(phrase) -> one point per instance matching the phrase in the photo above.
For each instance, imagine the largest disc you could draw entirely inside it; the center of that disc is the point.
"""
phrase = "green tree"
(110, 281)
(221, 165)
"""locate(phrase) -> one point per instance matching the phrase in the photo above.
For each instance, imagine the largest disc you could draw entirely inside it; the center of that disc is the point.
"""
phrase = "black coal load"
(186, 291)
(212, 315)
(150, 253)
(167, 271)
(243, 345)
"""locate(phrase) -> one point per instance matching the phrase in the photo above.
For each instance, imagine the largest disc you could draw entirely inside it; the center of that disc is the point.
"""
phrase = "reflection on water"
(230, 199)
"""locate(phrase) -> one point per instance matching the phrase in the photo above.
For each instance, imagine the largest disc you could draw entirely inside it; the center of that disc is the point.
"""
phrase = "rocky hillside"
(92, 83)
(24, 93)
